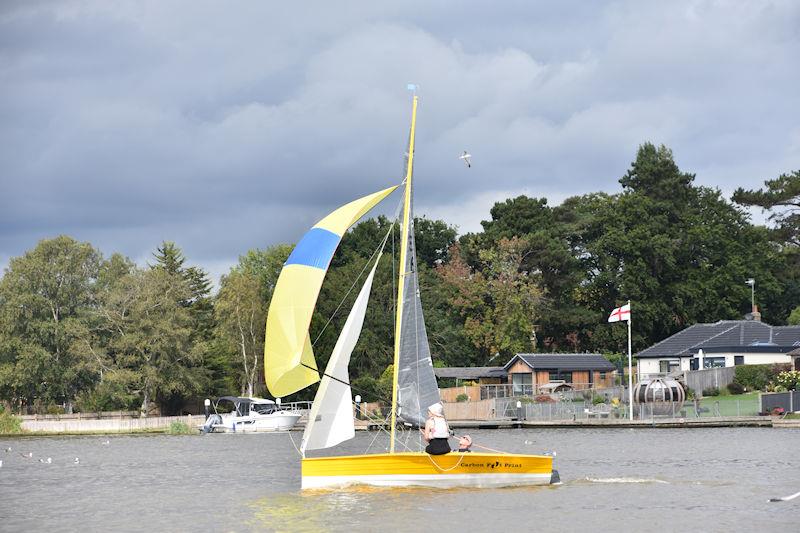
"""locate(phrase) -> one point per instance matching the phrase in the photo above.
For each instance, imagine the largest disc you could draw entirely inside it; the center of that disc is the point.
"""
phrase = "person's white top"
(440, 429)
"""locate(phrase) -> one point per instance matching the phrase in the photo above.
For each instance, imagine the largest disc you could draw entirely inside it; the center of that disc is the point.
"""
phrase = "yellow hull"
(420, 469)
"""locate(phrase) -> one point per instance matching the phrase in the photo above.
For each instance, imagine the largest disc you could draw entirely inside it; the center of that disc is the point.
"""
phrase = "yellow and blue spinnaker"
(289, 363)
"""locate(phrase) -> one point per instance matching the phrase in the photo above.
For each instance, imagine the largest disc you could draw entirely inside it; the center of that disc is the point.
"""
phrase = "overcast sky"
(225, 126)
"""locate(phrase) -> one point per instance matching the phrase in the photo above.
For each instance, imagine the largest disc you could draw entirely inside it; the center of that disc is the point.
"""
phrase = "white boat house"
(721, 344)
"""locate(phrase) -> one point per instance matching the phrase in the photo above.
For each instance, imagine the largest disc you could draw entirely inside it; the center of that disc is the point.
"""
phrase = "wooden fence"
(699, 380)
(107, 425)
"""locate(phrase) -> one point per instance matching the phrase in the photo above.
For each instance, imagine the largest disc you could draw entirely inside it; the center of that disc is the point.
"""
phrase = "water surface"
(708, 479)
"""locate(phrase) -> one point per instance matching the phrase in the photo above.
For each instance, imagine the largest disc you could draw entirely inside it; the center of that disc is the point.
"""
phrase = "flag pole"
(630, 366)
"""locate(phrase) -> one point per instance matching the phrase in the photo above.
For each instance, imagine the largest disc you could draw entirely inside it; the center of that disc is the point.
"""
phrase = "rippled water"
(613, 480)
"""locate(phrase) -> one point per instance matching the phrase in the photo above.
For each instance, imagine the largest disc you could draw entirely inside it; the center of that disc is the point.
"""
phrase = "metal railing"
(507, 408)
(509, 390)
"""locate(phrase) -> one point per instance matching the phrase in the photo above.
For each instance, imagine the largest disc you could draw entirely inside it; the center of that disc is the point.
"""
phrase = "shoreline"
(364, 425)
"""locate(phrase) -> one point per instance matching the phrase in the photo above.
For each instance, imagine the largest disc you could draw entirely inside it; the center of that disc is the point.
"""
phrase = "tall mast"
(401, 281)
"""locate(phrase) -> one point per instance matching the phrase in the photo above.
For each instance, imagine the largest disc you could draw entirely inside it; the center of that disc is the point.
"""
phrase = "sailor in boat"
(436, 431)
(464, 444)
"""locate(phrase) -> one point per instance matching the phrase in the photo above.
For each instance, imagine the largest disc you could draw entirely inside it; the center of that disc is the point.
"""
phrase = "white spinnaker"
(331, 418)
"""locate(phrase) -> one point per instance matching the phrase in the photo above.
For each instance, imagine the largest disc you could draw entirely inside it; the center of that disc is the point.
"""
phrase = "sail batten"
(289, 363)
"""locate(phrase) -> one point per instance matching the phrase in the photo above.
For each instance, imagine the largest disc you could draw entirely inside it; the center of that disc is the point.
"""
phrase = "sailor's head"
(436, 409)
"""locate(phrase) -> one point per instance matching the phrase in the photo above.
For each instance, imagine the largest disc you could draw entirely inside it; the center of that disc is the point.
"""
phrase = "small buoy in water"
(77, 460)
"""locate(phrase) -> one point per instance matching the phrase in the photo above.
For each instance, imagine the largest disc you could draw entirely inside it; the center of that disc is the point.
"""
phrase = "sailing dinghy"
(290, 366)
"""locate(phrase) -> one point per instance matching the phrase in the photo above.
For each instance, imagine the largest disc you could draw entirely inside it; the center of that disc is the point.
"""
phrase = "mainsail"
(331, 418)
(289, 363)
(416, 382)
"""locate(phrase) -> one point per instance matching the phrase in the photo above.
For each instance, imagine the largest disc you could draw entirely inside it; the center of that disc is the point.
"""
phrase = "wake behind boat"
(248, 415)
(290, 366)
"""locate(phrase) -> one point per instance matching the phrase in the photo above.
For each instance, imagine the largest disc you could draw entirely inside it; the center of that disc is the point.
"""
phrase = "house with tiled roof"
(525, 373)
(721, 344)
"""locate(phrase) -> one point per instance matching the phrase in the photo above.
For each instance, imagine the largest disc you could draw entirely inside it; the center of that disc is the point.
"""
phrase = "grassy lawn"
(729, 404)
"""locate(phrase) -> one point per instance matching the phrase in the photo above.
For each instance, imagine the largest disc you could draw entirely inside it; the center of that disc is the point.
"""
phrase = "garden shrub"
(735, 387)
(711, 391)
(462, 398)
(9, 424)
(757, 377)
(598, 400)
(179, 428)
(789, 379)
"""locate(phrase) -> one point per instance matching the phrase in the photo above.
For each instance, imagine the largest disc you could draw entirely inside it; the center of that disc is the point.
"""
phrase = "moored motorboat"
(248, 415)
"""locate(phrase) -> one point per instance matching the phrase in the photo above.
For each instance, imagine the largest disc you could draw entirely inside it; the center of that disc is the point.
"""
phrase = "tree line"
(80, 331)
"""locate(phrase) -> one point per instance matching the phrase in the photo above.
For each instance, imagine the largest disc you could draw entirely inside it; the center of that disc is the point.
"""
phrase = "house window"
(713, 362)
(602, 375)
(668, 365)
(558, 376)
(738, 360)
(522, 384)
(694, 364)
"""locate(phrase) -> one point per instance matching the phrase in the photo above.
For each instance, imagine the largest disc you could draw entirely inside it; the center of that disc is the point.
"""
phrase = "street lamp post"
(752, 283)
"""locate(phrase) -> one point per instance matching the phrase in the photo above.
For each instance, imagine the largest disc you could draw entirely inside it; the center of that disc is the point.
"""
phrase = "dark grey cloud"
(231, 126)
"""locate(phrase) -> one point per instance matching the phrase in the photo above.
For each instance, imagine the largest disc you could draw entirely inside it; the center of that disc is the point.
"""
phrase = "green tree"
(500, 302)
(151, 344)
(241, 314)
(45, 300)
(780, 196)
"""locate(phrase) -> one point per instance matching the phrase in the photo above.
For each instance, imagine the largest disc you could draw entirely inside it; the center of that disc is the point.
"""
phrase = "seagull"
(48, 460)
(106, 442)
(1, 463)
(466, 157)
(27, 455)
(8, 449)
(77, 460)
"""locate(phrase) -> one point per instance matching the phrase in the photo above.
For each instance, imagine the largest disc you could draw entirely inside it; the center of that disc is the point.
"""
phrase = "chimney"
(755, 316)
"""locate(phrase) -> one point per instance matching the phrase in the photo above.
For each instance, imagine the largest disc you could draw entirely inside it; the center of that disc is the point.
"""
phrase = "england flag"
(621, 313)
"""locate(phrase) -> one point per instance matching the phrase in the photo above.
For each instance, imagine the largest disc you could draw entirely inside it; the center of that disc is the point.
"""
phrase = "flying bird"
(466, 157)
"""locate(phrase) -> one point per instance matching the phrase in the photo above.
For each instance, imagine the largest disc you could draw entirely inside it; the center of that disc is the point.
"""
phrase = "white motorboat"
(248, 415)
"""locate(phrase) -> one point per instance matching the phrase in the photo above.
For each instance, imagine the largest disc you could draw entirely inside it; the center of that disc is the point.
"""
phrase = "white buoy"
(77, 460)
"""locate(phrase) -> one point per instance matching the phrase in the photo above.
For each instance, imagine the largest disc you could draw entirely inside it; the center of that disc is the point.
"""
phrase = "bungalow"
(525, 373)
(582, 371)
(721, 344)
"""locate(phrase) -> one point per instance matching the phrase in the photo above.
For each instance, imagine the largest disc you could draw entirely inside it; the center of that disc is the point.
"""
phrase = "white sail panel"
(331, 418)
